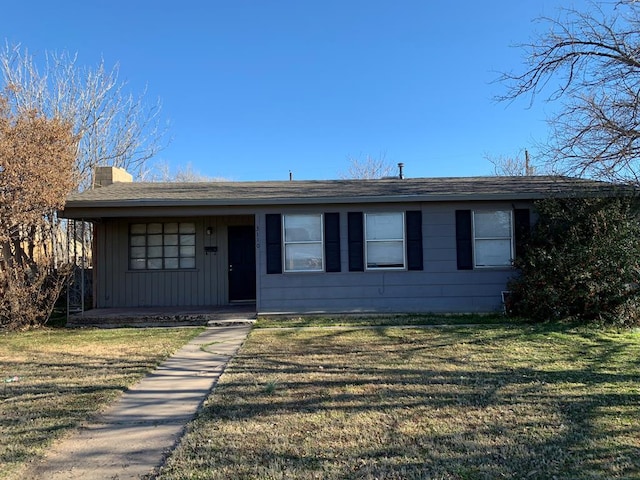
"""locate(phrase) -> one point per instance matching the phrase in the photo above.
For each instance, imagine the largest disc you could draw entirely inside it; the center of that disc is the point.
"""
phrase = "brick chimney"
(108, 175)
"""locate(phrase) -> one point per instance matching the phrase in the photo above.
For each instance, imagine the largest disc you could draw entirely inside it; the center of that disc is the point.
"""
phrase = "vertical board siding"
(202, 286)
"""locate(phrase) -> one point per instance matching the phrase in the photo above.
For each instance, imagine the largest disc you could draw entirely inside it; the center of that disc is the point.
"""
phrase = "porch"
(164, 316)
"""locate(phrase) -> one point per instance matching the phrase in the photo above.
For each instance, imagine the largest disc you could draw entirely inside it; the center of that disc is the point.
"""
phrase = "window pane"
(187, 239)
(171, 263)
(154, 240)
(492, 224)
(187, 263)
(384, 226)
(171, 239)
(302, 228)
(138, 228)
(493, 253)
(157, 246)
(303, 257)
(154, 264)
(170, 228)
(138, 264)
(138, 240)
(154, 228)
(385, 254)
(187, 228)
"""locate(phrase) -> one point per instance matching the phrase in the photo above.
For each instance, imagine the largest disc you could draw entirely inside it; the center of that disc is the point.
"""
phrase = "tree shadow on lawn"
(429, 405)
(50, 397)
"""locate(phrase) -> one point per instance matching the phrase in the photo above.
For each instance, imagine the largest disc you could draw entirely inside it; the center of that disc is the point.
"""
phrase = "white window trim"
(511, 239)
(310, 242)
(404, 243)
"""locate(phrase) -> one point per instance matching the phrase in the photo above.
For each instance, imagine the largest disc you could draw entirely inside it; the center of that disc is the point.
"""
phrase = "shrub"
(581, 261)
(37, 156)
(29, 294)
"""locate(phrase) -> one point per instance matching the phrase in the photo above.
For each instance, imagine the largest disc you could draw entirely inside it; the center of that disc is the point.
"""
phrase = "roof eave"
(75, 207)
(307, 201)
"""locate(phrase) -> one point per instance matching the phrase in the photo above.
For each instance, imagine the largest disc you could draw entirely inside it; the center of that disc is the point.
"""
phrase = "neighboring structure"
(391, 245)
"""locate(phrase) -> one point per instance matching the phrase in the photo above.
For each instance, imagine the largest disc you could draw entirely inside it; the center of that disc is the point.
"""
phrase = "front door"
(242, 263)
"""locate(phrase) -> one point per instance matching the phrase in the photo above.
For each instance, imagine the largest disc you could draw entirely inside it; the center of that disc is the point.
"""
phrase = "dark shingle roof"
(142, 194)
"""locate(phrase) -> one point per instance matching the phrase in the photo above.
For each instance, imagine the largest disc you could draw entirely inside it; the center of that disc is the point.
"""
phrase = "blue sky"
(254, 88)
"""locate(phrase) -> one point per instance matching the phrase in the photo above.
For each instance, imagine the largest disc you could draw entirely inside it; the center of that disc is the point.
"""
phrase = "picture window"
(162, 246)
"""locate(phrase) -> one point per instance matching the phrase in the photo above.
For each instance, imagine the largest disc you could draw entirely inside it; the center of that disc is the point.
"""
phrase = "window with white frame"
(493, 238)
(303, 243)
(384, 240)
(162, 246)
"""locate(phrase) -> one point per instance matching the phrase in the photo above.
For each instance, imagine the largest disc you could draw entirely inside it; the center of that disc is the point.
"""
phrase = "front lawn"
(52, 380)
(367, 320)
(531, 402)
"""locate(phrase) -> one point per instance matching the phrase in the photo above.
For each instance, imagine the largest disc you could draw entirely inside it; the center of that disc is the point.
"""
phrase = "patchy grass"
(53, 379)
(535, 402)
(358, 320)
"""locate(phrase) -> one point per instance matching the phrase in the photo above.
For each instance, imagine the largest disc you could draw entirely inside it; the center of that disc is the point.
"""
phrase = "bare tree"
(162, 172)
(37, 157)
(113, 127)
(589, 61)
(368, 168)
(516, 166)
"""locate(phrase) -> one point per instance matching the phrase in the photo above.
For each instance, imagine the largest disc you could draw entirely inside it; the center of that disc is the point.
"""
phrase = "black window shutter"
(522, 223)
(332, 242)
(356, 242)
(464, 240)
(274, 242)
(414, 239)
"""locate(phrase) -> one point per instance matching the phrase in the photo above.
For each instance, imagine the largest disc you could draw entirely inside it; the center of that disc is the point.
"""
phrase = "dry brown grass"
(52, 380)
(440, 403)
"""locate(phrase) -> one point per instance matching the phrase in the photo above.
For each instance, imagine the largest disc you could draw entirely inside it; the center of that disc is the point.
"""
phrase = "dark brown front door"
(242, 263)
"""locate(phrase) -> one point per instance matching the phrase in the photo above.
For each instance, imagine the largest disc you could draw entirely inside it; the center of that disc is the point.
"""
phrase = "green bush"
(582, 261)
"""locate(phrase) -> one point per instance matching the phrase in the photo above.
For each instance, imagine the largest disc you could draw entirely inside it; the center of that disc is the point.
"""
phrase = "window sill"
(497, 267)
(288, 272)
(385, 269)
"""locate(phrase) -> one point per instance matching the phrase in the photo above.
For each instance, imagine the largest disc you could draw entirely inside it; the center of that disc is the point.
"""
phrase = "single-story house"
(389, 245)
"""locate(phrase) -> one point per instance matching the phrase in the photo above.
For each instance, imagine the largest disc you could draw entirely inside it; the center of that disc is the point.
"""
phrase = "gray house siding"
(439, 287)
(205, 285)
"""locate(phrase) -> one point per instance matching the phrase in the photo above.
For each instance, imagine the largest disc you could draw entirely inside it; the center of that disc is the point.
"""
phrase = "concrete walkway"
(135, 434)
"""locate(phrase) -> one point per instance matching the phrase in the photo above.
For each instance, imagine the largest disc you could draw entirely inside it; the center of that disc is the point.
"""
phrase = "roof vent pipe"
(401, 171)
